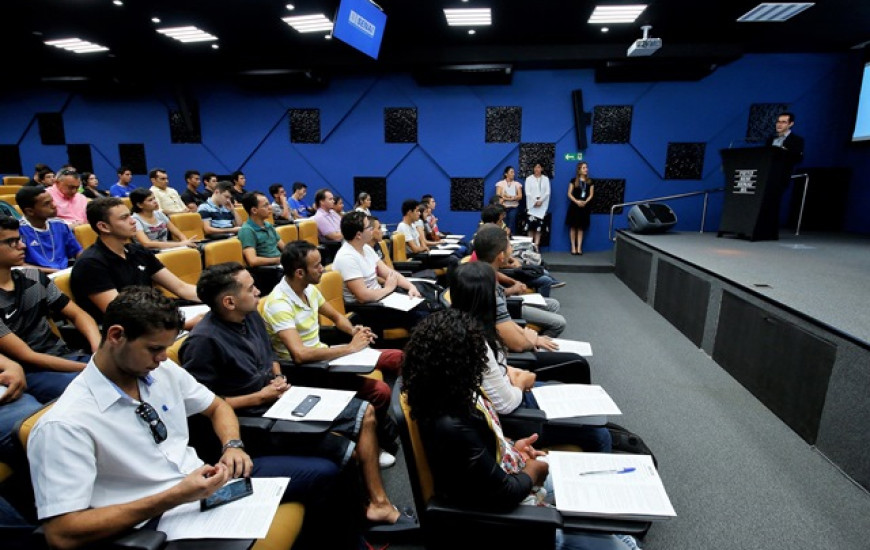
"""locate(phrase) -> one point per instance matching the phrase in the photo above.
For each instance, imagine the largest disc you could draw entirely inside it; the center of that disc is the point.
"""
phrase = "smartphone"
(233, 490)
(305, 407)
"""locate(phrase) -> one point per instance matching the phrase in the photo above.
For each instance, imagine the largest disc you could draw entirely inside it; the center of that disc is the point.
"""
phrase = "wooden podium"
(754, 180)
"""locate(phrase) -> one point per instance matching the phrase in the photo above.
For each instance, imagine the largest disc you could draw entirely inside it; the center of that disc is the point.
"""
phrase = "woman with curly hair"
(473, 463)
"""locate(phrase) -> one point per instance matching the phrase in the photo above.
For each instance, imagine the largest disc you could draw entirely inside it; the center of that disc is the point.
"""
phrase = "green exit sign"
(573, 156)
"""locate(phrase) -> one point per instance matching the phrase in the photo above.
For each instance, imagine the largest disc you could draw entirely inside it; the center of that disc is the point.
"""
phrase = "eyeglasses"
(158, 429)
(66, 172)
(11, 242)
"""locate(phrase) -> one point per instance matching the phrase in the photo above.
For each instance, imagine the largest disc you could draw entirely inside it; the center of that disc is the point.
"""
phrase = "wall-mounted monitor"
(360, 24)
(862, 119)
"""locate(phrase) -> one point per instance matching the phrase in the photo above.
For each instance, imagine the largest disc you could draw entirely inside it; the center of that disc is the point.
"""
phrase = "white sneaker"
(385, 460)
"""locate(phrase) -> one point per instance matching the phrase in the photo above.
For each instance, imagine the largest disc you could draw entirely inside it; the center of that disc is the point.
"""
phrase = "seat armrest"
(410, 266)
(136, 539)
(519, 515)
(523, 422)
(515, 307)
(257, 423)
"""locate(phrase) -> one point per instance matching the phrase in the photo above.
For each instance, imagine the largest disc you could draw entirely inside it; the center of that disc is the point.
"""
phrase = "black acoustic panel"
(504, 124)
(682, 299)
(133, 156)
(376, 187)
(304, 125)
(762, 120)
(607, 193)
(685, 161)
(184, 126)
(633, 266)
(10, 160)
(400, 125)
(533, 153)
(781, 364)
(51, 130)
(611, 124)
(79, 155)
(466, 194)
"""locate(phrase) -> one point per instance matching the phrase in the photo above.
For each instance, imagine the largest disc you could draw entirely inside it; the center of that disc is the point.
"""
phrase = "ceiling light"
(309, 23)
(76, 45)
(468, 17)
(616, 14)
(155, 20)
(605, 29)
(771, 12)
(117, 2)
(290, 7)
(187, 34)
(472, 31)
(214, 46)
(328, 36)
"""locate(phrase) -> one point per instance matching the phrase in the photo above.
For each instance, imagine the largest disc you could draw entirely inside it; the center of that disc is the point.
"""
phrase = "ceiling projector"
(644, 46)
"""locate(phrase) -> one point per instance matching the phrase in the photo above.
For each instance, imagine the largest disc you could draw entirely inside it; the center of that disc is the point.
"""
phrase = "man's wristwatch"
(232, 444)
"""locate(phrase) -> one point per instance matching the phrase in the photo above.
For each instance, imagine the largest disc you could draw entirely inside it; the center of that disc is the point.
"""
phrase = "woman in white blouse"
(537, 203)
(510, 193)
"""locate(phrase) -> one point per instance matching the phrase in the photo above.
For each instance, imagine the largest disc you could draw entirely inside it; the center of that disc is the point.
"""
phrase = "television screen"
(862, 120)
(360, 23)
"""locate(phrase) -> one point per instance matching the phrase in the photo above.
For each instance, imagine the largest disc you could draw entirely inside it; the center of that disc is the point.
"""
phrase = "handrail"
(806, 177)
(705, 192)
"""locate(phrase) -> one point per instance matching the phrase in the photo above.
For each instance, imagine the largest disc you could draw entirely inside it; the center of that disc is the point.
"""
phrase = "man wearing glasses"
(69, 202)
(122, 429)
(168, 198)
(27, 296)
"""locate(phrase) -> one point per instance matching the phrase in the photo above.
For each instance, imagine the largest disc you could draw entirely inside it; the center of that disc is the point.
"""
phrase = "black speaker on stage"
(651, 217)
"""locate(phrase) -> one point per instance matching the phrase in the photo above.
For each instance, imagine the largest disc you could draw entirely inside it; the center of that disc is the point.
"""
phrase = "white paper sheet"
(402, 302)
(440, 252)
(246, 518)
(162, 250)
(331, 403)
(60, 272)
(448, 246)
(366, 357)
(190, 312)
(572, 400)
(521, 239)
(449, 240)
(453, 236)
(580, 348)
(639, 494)
(533, 299)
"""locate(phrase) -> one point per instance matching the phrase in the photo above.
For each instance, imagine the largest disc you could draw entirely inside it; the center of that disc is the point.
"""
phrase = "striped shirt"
(284, 309)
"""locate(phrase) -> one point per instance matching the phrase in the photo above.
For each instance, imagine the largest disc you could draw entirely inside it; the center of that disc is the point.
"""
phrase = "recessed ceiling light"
(117, 2)
(472, 31)
(291, 7)
(309, 23)
(616, 14)
(187, 34)
(76, 45)
(328, 36)
(771, 12)
(605, 29)
(468, 17)
(214, 46)
(155, 20)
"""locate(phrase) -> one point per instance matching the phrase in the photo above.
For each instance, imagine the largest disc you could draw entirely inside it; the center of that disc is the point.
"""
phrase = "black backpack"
(626, 441)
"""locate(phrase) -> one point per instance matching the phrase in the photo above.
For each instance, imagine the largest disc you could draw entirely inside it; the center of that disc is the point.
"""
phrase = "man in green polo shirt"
(261, 245)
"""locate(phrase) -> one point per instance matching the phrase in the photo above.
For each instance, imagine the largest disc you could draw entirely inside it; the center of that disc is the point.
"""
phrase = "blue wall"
(249, 131)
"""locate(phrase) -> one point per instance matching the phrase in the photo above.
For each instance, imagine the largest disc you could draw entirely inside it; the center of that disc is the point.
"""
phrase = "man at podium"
(786, 139)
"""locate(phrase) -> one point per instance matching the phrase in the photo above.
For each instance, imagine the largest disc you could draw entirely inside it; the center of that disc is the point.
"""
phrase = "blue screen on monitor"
(862, 120)
(360, 24)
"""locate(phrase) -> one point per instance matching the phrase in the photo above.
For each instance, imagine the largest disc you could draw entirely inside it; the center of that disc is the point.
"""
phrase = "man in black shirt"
(191, 195)
(113, 263)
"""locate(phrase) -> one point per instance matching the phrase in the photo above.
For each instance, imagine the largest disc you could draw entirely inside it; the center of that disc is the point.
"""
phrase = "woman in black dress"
(580, 192)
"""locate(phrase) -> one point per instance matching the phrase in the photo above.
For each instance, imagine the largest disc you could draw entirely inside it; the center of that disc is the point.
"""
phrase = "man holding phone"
(122, 425)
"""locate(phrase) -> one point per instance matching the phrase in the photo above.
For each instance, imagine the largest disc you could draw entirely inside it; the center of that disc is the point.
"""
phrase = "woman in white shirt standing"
(537, 203)
(510, 193)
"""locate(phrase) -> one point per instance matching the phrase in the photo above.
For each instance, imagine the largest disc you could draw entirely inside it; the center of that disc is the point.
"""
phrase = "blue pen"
(595, 472)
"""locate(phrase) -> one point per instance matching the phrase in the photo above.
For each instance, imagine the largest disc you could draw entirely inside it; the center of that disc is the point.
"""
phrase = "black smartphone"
(233, 490)
(305, 407)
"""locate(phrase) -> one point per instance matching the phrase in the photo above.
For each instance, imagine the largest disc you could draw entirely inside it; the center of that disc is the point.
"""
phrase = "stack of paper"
(575, 346)
(616, 486)
(402, 302)
(575, 400)
(533, 299)
(331, 403)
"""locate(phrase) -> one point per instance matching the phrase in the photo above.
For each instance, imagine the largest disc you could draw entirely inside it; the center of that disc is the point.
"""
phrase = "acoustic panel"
(184, 126)
(607, 193)
(374, 186)
(633, 267)
(400, 125)
(10, 160)
(466, 194)
(784, 366)
(685, 161)
(534, 153)
(51, 131)
(504, 124)
(79, 155)
(762, 120)
(611, 124)
(682, 299)
(133, 157)
(304, 125)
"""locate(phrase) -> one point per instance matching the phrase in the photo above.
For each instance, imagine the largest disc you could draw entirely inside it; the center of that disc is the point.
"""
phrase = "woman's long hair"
(472, 290)
(580, 165)
(443, 368)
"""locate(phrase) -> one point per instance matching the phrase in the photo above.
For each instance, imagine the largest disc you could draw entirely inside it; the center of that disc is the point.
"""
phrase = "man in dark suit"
(786, 139)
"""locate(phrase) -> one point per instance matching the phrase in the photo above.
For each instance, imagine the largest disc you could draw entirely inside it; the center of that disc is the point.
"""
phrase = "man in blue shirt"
(218, 216)
(299, 208)
(50, 242)
(122, 188)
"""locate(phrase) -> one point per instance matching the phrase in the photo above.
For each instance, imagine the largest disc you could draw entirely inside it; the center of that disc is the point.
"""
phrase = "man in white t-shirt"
(417, 249)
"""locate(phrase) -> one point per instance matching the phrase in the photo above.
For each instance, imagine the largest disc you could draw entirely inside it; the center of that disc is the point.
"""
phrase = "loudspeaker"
(651, 217)
(580, 119)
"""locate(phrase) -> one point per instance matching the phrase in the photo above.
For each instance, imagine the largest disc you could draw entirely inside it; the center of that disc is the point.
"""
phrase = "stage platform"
(789, 319)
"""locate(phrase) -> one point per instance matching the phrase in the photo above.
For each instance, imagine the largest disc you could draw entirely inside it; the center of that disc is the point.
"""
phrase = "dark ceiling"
(523, 34)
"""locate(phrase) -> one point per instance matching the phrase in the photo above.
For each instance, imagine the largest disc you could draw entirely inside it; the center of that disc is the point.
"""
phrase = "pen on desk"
(595, 472)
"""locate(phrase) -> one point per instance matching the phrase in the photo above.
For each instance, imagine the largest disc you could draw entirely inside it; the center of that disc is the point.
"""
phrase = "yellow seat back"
(15, 180)
(287, 233)
(62, 283)
(25, 426)
(172, 351)
(227, 250)
(308, 231)
(424, 473)
(8, 198)
(243, 214)
(399, 252)
(186, 264)
(331, 286)
(85, 235)
(189, 223)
